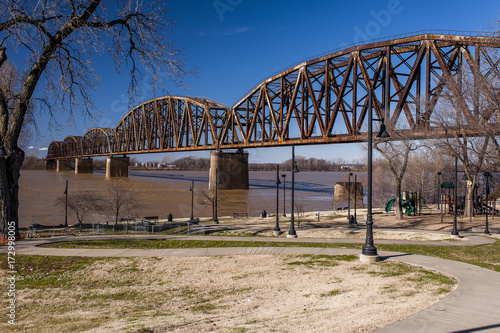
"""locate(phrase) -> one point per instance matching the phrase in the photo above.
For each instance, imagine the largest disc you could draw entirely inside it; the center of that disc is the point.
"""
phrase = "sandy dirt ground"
(260, 293)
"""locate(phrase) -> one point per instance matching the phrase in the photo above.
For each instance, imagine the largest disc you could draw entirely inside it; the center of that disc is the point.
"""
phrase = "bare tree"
(395, 159)
(120, 199)
(82, 204)
(58, 40)
(421, 174)
(207, 198)
(300, 211)
(469, 114)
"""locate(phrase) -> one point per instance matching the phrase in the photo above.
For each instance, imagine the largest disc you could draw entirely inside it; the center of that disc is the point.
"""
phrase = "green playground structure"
(409, 202)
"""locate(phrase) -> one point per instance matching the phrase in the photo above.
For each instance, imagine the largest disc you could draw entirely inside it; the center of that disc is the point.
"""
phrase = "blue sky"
(235, 44)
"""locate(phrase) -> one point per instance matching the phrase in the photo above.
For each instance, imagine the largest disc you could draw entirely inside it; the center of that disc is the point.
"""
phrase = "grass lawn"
(487, 256)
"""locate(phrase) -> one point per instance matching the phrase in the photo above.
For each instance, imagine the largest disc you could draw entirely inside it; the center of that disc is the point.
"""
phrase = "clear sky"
(235, 44)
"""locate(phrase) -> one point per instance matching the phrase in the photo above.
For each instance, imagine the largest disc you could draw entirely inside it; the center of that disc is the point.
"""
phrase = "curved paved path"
(473, 307)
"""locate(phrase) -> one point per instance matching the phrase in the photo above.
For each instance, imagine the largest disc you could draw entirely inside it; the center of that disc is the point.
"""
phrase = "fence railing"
(54, 225)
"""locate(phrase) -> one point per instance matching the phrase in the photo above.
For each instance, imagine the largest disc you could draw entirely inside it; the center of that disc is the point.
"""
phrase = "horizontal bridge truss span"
(324, 100)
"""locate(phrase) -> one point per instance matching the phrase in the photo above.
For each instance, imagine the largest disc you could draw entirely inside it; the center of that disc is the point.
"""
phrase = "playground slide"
(388, 205)
(406, 204)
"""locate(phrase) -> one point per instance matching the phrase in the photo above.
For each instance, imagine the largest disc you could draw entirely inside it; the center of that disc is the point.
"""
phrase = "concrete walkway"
(473, 307)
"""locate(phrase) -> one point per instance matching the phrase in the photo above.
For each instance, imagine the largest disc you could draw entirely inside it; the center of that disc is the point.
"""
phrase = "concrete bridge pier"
(117, 166)
(341, 194)
(63, 165)
(232, 170)
(50, 164)
(84, 165)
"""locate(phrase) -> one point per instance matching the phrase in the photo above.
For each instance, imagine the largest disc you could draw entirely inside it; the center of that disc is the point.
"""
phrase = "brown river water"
(164, 192)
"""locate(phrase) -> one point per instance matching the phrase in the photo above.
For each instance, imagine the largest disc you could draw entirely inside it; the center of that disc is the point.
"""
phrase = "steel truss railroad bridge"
(322, 100)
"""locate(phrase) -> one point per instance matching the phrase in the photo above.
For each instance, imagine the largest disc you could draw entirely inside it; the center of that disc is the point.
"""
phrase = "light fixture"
(382, 133)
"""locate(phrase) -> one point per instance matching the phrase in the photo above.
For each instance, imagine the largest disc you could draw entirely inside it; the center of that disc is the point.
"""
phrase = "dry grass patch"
(229, 294)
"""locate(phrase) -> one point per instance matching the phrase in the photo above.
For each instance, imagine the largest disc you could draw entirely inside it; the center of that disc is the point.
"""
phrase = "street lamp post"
(216, 220)
(277, 228)
(369, 251)
(454, 232)
(439, 185)
(349, 217)
(487, 176)
(284, 194)
(292, 233)
(66, 210)
(355, 198)
(192, 199)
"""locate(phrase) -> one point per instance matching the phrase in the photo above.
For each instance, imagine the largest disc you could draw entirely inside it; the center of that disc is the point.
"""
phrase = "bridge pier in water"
(84, 165)
(63, 165)
(117, 166)
(50, 164)
(232, 170)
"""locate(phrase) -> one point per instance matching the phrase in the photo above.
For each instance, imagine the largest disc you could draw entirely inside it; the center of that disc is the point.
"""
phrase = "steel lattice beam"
(323, 100)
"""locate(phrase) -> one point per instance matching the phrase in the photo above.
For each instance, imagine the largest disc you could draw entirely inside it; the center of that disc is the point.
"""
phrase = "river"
(163, 192)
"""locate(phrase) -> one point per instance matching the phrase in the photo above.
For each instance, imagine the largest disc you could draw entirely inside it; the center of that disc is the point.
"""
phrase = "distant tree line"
(33, 162)
(311, 164)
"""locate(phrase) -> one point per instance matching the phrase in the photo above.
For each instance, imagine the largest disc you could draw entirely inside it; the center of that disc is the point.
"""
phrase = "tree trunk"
(469, 205)
(399, 209)
(9, 187)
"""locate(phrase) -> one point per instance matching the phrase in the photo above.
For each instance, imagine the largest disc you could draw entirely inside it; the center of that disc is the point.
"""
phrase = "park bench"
(235, 215)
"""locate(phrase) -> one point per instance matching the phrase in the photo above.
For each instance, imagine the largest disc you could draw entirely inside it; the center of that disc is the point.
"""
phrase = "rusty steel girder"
(98, 141)
(54, 150)
(323, 100)
(72, 146)
(170, 124)
(326, 99)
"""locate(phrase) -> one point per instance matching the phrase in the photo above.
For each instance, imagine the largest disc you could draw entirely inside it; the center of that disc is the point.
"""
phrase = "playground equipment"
(480, 205)
(410, 202)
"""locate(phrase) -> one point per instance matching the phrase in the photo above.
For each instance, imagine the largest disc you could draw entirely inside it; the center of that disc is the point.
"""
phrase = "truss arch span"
(322, 100)
(54, 150)
(171, 123)
(98, 141)
(325, 99)
(72, 146)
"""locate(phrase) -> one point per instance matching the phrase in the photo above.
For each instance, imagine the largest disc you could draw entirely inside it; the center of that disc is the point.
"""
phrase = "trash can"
(169, 217)
(264, 213)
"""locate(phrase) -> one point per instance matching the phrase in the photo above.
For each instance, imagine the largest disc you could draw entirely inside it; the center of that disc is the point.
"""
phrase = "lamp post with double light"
(439, 184)
(292, 233)
(284, 194)
(369, 251)
(66, 204)
(349, 216)
(355, 221)
(192, 199)
(278, 183)
(454, 231)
